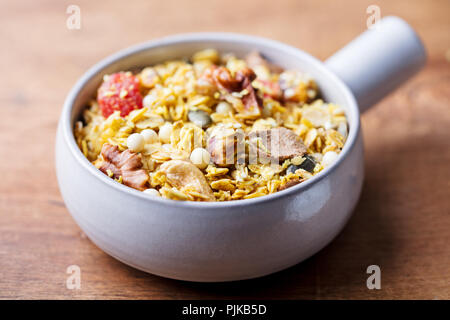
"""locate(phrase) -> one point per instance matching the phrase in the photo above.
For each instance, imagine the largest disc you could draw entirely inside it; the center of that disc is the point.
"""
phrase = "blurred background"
(402, 222)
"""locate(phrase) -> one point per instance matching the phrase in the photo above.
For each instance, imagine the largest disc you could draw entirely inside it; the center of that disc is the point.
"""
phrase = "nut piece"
(255, 60)
(183, 174)
(278, 144)
(124, 164)
(252, 103)
(223, 79)
(226, 146)
(241, 83)
(290, 183)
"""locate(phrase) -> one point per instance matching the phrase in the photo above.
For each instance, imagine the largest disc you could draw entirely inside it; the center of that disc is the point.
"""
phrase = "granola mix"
(211, 128)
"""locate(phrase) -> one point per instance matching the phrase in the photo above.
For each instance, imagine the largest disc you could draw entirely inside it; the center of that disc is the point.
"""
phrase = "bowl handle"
(379, 60)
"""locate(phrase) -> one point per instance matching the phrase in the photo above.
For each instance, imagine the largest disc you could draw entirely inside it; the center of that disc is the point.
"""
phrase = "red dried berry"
(119, 92)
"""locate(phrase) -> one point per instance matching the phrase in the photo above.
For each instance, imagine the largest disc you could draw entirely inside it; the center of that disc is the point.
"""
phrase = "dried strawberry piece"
(119, 92)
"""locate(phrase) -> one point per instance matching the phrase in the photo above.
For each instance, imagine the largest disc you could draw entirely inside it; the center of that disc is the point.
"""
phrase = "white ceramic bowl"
(242, 239)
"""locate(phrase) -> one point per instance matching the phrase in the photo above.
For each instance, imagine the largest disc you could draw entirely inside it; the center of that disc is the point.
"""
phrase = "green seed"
(308, 164)
(199, 118)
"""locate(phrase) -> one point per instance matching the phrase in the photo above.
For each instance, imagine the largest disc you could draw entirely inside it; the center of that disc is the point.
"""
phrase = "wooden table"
(402, 222)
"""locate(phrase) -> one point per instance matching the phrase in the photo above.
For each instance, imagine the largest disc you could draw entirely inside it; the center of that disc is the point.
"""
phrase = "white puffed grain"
(135, 142)
(150, 136)
(200, 157)
(164, 132)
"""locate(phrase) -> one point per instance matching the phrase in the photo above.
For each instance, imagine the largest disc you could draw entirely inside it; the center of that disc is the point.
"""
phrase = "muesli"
(211, 128)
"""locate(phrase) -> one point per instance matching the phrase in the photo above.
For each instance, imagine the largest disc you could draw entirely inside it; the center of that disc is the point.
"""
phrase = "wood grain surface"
(402, 222)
